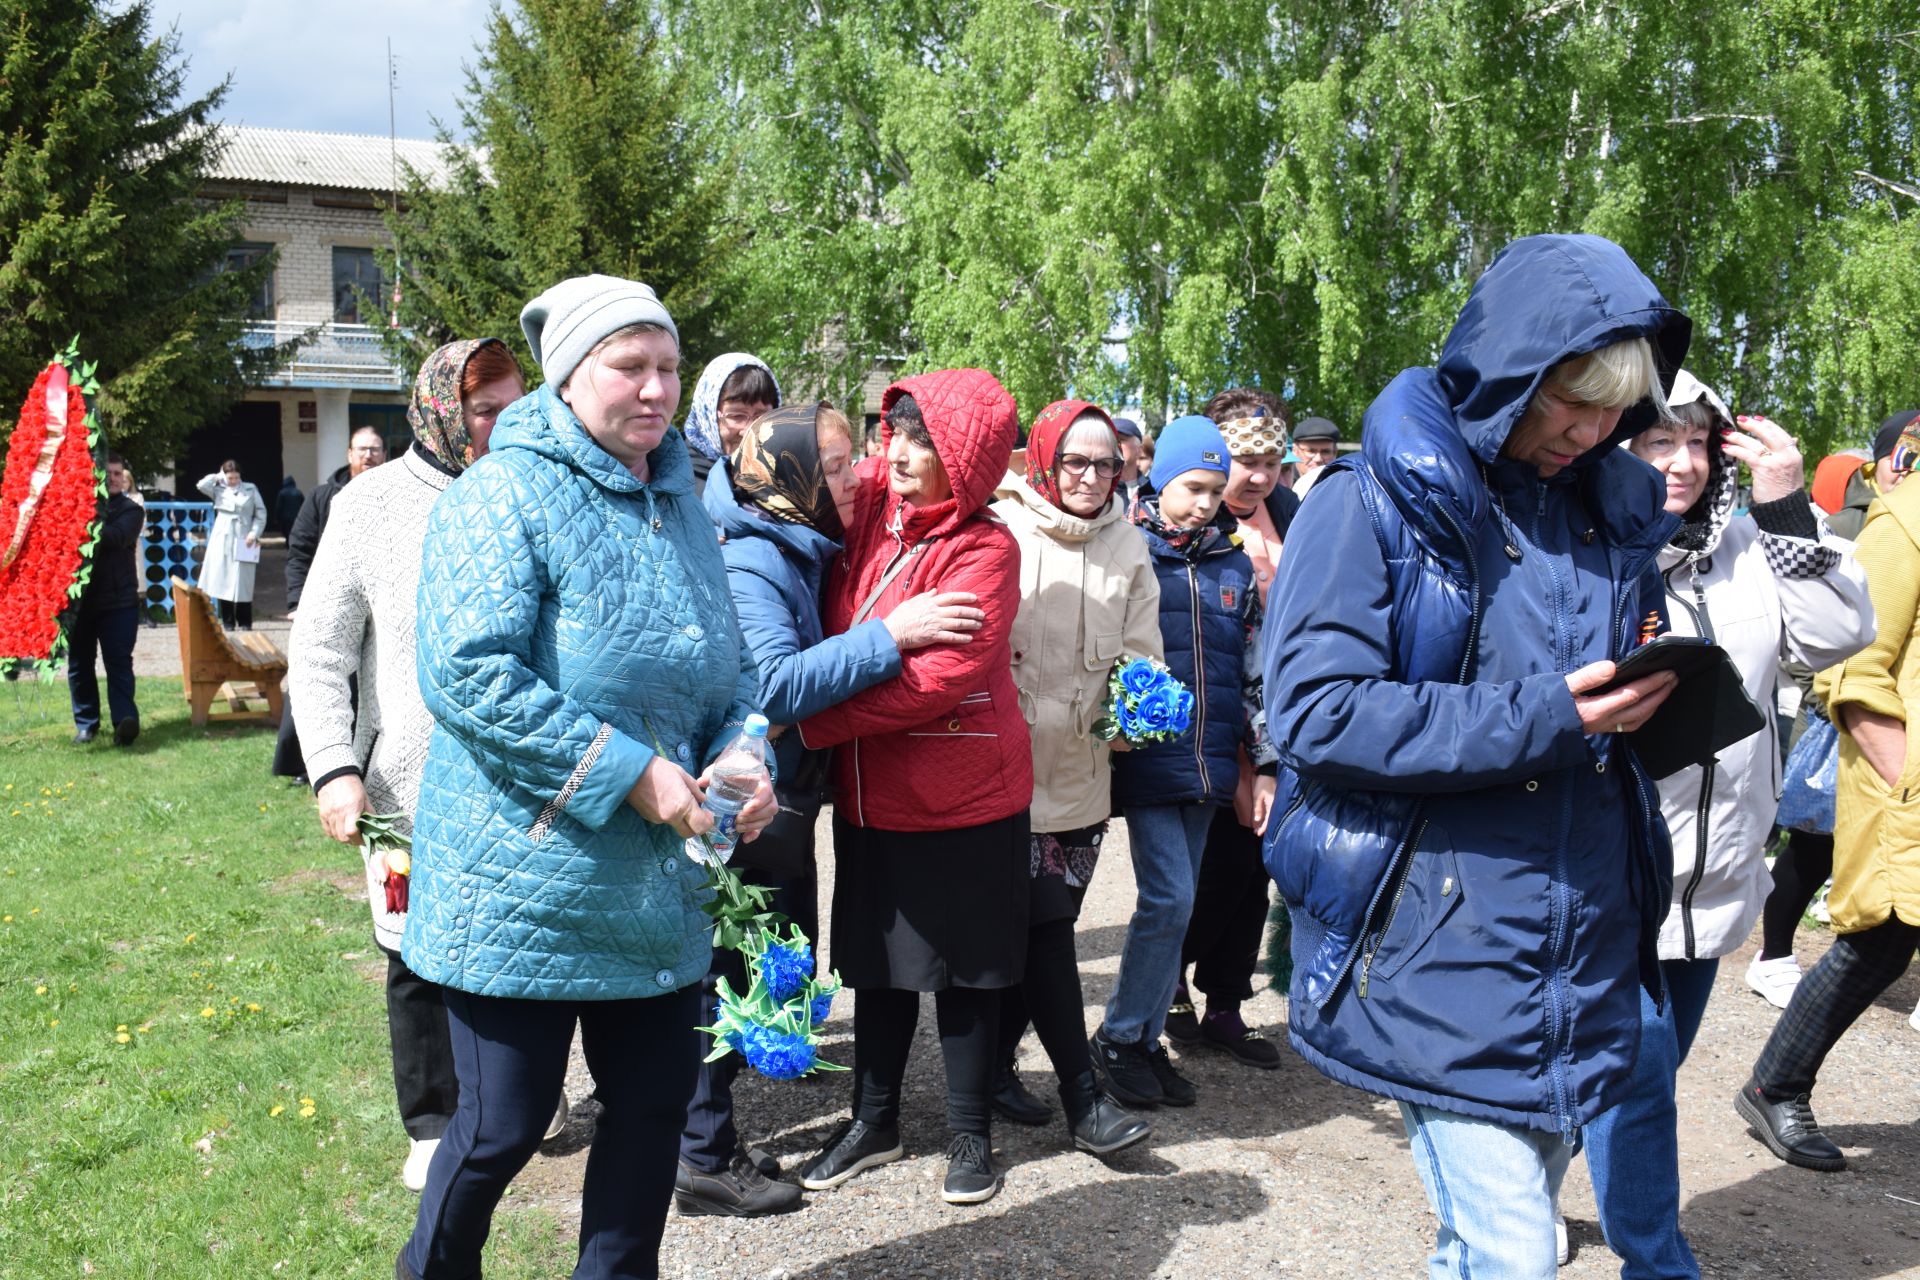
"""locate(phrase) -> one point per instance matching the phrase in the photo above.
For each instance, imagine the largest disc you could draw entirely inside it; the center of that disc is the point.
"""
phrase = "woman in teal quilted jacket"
(579, 653)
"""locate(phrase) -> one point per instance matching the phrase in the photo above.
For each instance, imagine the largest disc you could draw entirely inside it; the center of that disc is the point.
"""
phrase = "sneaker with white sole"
(413, 1174)
(1775, 979)
(1913, 1019)
(1562, 1248)
(557, 1125)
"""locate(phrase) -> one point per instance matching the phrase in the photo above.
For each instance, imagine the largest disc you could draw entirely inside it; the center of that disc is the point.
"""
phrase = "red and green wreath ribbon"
(48, 510)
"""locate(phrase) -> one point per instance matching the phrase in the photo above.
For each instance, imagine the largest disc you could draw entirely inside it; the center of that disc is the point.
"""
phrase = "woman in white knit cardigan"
(353, 641)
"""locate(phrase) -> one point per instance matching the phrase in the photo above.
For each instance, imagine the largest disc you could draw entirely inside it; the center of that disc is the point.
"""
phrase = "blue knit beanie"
(1191, 443)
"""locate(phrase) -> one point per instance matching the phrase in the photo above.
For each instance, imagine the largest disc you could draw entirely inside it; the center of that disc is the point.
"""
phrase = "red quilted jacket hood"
(974, 424)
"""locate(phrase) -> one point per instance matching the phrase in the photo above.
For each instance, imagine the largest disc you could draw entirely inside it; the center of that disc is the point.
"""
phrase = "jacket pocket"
(971, 718)
(1102, 649)
(1428, 895)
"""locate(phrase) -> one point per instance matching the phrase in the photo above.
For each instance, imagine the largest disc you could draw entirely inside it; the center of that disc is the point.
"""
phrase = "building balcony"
(346, 356)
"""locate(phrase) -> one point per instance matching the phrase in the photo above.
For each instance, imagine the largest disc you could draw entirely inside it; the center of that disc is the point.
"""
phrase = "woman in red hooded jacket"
(932, 777)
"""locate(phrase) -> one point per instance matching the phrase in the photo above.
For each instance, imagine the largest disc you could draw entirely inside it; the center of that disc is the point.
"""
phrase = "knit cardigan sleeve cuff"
(345, 771)
(1788, 517)
(325, 763)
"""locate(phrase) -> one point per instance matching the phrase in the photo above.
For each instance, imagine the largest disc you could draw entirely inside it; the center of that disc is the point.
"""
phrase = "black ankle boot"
(1100, 1126)
(1011, 1099)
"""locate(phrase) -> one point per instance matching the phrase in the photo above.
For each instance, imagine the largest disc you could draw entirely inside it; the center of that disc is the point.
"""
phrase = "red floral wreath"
(47, 508)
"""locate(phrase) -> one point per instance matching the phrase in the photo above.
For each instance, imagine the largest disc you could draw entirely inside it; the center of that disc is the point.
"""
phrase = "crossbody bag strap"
(900, 562)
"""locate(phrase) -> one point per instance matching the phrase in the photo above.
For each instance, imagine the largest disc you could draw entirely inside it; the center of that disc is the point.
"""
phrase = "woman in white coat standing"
(233, 544)
(1775, 578)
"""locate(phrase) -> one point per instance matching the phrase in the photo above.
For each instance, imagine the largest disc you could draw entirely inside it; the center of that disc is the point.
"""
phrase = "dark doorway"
(250, 435)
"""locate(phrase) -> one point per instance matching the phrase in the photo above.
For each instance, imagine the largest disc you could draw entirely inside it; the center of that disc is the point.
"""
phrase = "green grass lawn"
(194, 1076)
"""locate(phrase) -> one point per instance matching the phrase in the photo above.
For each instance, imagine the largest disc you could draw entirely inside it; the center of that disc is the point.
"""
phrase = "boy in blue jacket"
(1170, 791)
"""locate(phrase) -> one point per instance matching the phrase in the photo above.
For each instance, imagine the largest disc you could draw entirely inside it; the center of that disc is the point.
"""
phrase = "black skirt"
(928, 910)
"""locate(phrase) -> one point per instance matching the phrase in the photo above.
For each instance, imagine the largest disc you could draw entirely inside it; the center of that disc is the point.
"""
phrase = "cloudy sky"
(321, 64)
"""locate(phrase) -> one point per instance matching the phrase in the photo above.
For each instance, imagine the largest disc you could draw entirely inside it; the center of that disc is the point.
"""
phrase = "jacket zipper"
(1401, 876)
(1200, 688)
(1703, 627)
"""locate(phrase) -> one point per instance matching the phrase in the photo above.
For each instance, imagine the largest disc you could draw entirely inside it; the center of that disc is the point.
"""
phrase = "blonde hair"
(1617, 376)
(828, 421)
(1089, 425)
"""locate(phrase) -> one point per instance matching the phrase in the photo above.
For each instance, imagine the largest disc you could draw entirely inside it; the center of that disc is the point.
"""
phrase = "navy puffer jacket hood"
(1476, 884)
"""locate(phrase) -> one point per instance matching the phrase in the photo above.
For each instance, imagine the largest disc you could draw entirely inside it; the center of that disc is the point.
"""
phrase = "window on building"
(356, 275)
(238, 258)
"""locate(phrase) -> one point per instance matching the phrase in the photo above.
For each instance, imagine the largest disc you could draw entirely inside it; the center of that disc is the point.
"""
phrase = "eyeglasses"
(737, 417)
(1074, 464)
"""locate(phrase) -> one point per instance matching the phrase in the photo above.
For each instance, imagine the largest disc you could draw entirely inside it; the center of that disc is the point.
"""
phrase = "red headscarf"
(1830, 480)
(1043, 441)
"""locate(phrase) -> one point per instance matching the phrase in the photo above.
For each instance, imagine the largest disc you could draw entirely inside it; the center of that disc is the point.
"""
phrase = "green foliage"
(173, 894)
(101, 230)
(574, 156)
(1148, 202)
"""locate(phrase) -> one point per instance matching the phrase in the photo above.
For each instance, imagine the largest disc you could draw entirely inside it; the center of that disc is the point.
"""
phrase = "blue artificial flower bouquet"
(1145, 703)
(772, 1024)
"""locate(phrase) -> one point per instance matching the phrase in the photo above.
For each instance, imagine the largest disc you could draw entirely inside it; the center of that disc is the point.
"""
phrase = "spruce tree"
(102, 233)
(573, 158)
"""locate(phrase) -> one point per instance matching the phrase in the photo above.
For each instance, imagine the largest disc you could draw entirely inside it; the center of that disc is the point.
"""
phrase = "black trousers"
(709, 1141)
(424, 1080)
(1229, 914)
(512, 1060)
(1802, 867)
(883, 1022)
(1832, 996)
(232, 611)
(110, 633)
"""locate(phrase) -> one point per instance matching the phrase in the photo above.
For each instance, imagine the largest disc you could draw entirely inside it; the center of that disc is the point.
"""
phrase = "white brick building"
(317, 198)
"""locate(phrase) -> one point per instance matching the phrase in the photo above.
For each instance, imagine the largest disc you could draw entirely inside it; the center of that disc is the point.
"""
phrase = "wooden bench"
(243, 670)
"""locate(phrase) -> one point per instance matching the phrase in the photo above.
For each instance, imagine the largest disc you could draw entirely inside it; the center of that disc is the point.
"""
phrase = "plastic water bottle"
(737, 776)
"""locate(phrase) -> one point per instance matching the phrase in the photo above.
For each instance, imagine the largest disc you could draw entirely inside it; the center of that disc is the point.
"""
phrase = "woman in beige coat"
(1088, 597)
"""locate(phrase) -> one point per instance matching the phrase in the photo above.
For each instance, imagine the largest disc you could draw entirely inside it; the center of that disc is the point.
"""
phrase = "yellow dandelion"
(6, 919)
(276, 1109)
(34, 912)
(53, 1022)
(252, 1007)
(306, 1113)
(207, 1012)
(122, 1038)
(45, 792)
(192, 936)
(121, 1027)
(40, 990)
(306, 1102)
(263, 808)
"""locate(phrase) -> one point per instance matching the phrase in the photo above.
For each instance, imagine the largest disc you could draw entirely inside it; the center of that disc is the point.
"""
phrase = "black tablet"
(1682, 655)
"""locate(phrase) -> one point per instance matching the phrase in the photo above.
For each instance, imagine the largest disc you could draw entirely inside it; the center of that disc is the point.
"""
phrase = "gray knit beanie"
(565, 322)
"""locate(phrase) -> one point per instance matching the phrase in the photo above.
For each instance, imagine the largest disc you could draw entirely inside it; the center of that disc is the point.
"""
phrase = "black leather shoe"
(854, 1148)
(971, 1177)
(1175, 1089)
(82, 737)
(1789, 1129)
(1100, 1126)
(1227, 1031)
(126, 731)
(1183, 1024)
(1012, 1100)
(740, 1191)
(1125, 1071)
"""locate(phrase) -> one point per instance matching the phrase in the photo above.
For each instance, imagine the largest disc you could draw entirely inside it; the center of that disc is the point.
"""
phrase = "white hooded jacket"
(1757, 592)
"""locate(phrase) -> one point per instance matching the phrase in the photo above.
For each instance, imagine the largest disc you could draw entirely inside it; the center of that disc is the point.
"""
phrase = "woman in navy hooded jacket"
(1474, 861)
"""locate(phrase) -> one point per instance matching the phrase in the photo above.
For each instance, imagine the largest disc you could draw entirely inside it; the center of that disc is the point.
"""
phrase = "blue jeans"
(111, 634)
(1633, 1150)
(1166, 842)
(1493, 1187)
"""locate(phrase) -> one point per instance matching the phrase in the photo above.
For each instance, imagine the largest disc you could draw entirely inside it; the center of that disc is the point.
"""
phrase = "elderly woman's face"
(915, 474)
(836, 464)
(1679, 452)
(1556, 429)
(625, 394)
(484, 407)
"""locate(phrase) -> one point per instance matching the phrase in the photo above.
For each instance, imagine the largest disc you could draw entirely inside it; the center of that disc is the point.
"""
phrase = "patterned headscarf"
(703, 418)
(439, 421)
(777, 471)
(1043, 442)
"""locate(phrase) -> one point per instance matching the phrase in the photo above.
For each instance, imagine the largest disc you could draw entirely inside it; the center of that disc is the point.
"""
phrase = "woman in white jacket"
(1773, 579)
(239, 516)
(1088, 596)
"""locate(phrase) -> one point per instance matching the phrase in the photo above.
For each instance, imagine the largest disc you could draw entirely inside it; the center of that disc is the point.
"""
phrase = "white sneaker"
(413, 1174)
(558, 1125)
(1913, 1019)
(1561, 1250)
(1775, 979)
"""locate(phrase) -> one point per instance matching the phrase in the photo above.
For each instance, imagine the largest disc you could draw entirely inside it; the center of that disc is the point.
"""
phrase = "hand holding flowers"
(1145, 704)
